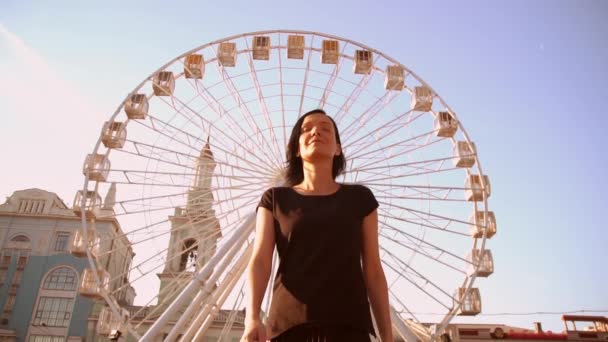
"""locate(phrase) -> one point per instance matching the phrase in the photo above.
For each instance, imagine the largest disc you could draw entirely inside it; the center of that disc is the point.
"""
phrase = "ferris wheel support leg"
(205, 319)
(202, 298)
(210, 301)
(402, 329)
(199, 279)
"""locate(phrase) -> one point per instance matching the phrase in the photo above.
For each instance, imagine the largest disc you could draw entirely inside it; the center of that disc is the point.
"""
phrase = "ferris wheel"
(185, 158)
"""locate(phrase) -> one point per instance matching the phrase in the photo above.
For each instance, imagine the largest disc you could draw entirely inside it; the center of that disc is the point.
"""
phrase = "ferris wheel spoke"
(332, 79)
(262, 102)
(352, 98)
(395, 125)
(397, 172)
(167, 207)
(211, 101)
(192, 159)
(429, 197)
(244, 109)
(396, 298)
(368, 114)
(271, 159)
(424, 253)
(394, 156)
(306, 72)
(223, 113)
(428, 224)
(407, 272)
(249, 163)
(282, 97)
(403, 232)
(418, 214)
(403, 275)
(432, 194)
(399, 165)
(412, 174)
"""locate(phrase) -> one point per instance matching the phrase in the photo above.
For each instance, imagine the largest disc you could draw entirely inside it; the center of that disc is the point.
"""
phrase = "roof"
(584, 318)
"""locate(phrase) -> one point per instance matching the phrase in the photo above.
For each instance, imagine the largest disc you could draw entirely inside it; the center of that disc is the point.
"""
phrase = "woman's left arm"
(375, 280)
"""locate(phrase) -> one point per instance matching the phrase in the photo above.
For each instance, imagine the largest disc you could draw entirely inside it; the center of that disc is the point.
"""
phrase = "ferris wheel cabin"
(422, 99)
(261, 48)
(330, 52)
(136, 107)
(478, 226)
(163, 83)
(194, 66)
(445, 125)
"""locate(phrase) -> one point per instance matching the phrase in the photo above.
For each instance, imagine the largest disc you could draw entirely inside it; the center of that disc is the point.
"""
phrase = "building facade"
(40, 278)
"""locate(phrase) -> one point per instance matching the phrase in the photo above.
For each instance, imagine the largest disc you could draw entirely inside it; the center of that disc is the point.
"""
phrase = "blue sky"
(527, 79)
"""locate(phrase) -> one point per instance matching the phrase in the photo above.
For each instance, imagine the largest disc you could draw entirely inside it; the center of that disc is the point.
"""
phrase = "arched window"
(62, 278)
(189, 256)
(56, 298)
(21, 238)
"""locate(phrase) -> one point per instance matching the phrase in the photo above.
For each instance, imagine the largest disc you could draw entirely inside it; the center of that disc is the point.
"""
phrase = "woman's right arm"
(259, 270)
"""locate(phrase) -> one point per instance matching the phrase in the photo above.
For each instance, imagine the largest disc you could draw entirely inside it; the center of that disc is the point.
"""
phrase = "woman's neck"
(317, 178)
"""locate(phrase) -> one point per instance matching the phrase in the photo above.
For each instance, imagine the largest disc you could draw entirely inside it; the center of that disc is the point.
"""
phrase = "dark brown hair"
(294, 171)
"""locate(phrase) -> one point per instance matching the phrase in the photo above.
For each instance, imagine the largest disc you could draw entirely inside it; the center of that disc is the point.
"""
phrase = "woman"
(326, 235)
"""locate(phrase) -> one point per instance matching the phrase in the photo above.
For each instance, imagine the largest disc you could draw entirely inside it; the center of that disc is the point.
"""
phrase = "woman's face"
(318, 138)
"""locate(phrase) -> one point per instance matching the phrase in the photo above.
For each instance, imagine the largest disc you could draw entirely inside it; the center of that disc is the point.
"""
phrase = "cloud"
(30, 86)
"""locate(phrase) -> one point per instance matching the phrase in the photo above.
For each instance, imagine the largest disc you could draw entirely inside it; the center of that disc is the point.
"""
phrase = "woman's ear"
(338, 150)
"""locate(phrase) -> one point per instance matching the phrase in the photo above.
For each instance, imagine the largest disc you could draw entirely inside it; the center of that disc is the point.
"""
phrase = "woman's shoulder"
(276, 191)
(357, 187)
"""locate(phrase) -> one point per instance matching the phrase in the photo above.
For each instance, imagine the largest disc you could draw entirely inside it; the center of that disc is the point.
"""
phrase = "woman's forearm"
(378, 296)
(258, 274)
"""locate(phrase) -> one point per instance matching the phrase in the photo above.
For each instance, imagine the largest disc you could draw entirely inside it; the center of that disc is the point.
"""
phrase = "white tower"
(194, 231)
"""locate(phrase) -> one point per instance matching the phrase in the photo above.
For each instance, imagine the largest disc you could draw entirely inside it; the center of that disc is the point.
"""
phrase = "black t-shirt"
(318, 239)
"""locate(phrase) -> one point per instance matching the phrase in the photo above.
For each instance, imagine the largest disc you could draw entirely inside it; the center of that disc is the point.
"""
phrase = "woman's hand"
(254, 331)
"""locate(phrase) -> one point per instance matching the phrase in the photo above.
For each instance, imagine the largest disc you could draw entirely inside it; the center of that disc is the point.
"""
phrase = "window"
(61, 241)
(16, 279)
(5, 261)
(189, 256)
(10, 302)
(46, 338)
(21, 238)
(31, 206)
(53, 312)
(62, 278)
